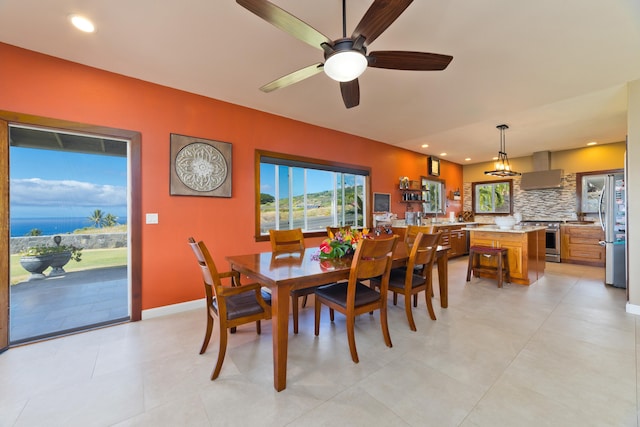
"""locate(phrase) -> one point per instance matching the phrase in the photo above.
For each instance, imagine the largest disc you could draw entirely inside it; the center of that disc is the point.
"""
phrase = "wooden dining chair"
(291, 241)
(411, 233)
(286, 240)
(233, 305)
(401, 232)
(372, 258)
(413, 230)
(409, 281)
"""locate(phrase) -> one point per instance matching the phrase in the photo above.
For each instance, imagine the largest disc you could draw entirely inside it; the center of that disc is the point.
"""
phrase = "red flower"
(325, 247)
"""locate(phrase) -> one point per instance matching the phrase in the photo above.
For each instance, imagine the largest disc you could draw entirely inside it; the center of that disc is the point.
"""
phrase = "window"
(432, 196)
(588, 188)
(492, 197)
(307, 193)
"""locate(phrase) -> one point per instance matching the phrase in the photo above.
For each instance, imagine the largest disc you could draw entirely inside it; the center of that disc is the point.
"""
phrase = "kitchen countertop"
(445, 223)
(440, 224)
(494, 228)
(582, 224)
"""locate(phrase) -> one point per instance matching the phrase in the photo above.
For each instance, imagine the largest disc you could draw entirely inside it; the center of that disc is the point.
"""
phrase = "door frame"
(135, 183)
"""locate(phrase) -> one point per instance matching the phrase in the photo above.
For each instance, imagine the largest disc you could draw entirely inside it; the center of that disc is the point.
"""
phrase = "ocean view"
(50, 226)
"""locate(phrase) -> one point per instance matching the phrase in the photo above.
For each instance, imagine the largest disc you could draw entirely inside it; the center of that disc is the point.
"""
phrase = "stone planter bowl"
(59, 260)
(36, 265)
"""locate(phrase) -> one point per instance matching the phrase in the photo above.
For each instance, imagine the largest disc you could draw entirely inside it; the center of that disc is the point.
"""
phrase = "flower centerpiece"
(342, 242)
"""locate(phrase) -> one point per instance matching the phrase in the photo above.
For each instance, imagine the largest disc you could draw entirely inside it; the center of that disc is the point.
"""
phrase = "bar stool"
(502, 263)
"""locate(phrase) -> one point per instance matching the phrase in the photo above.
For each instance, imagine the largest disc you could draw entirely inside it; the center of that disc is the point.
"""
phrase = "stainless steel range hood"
(543, 177)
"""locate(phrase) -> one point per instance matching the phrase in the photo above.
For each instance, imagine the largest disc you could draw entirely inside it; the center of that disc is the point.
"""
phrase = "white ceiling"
(554, 71)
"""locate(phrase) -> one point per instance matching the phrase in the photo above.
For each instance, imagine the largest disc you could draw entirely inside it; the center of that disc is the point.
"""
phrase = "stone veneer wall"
(548, 204)
(84, 241)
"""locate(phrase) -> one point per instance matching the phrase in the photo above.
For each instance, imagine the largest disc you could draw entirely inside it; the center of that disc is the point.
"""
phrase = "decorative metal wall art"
(200, 167)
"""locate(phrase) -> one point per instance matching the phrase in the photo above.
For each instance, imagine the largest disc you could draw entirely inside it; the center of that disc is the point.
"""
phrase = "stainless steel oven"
(552, 248)
(552, 238)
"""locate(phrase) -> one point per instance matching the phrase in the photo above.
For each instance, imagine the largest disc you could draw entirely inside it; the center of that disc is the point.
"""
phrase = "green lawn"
(94, 258)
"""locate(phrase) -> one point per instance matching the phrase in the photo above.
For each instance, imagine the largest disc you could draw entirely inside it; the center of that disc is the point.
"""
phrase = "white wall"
(633, 195)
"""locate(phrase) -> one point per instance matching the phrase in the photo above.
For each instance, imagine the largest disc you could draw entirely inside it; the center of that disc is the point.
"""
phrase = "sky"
(317, 181)
(48, 183)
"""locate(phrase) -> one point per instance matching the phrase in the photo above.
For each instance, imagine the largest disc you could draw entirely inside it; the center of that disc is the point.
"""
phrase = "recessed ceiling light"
(495, 158)
(425, 145)
(82, 23)
(468, 159)
(592, 143)
(443, 154)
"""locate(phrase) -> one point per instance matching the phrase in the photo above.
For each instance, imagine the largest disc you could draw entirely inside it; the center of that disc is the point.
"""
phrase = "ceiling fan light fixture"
(345, 66)
(82, 23)
(502, 166)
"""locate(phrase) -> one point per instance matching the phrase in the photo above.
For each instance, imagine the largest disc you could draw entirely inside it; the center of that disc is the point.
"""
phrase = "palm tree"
(34, 232)
(97, 218)
(110, 220)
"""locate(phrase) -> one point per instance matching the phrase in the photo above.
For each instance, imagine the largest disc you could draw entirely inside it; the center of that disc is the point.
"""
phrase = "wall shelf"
(411, 195)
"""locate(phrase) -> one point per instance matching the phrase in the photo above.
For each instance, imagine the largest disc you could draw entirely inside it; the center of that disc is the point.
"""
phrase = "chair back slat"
(210, 275)
(287, 240)
(196, 251)
(423, 253)
(425, 247)
(413, 230)
(373, 258)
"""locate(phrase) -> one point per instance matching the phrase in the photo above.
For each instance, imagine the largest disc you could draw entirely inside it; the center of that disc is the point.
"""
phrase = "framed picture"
(434, 166)
(381, 202)
(200, 167)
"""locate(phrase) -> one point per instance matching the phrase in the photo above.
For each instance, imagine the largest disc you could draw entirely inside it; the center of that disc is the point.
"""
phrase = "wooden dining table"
(283, 272)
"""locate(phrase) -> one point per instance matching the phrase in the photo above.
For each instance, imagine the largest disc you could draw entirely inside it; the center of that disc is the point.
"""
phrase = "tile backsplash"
(548, 204)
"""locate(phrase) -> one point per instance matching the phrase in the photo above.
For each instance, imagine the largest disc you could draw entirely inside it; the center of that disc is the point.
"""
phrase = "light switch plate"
(152, 218)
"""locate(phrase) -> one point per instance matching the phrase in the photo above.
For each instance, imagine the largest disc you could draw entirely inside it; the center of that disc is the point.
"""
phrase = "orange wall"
(451, 173)
(37, 84)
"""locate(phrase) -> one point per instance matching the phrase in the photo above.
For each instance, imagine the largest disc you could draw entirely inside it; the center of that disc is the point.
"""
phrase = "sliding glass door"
(68, 232)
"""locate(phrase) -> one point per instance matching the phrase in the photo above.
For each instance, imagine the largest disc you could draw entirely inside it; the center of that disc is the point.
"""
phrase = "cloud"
(34, 192)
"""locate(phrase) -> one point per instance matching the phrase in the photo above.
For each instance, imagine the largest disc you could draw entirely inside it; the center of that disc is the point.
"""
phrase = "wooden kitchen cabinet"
(455, 237)
(445, 237)
(459, 240)
(526, 252)
(579, 244)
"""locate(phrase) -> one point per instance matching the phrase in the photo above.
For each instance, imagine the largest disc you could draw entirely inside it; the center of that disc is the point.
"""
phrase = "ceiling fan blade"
(380, 15)
(292, 78)
(404, 60)
(350, 93)
(286, 22)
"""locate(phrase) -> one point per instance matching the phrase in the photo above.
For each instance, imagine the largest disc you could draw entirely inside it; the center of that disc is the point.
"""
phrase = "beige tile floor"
(561, 352)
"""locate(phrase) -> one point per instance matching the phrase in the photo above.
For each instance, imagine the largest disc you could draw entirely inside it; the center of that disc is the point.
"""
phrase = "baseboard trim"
(633, 309)
(172, 309)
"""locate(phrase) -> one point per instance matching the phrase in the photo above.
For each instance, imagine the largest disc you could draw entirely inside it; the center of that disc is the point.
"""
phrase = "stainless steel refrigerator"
(614, 223)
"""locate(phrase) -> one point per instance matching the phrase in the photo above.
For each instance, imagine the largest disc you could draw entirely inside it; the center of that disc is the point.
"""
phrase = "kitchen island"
(525, 249)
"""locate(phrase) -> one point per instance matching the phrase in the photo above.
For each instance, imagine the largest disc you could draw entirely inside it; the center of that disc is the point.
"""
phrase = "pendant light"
(502, 167)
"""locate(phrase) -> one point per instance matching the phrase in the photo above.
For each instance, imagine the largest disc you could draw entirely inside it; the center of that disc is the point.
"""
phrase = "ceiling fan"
(346, 58)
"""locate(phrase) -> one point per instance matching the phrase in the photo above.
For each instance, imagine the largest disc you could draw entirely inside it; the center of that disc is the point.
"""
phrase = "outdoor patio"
(62, 304)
